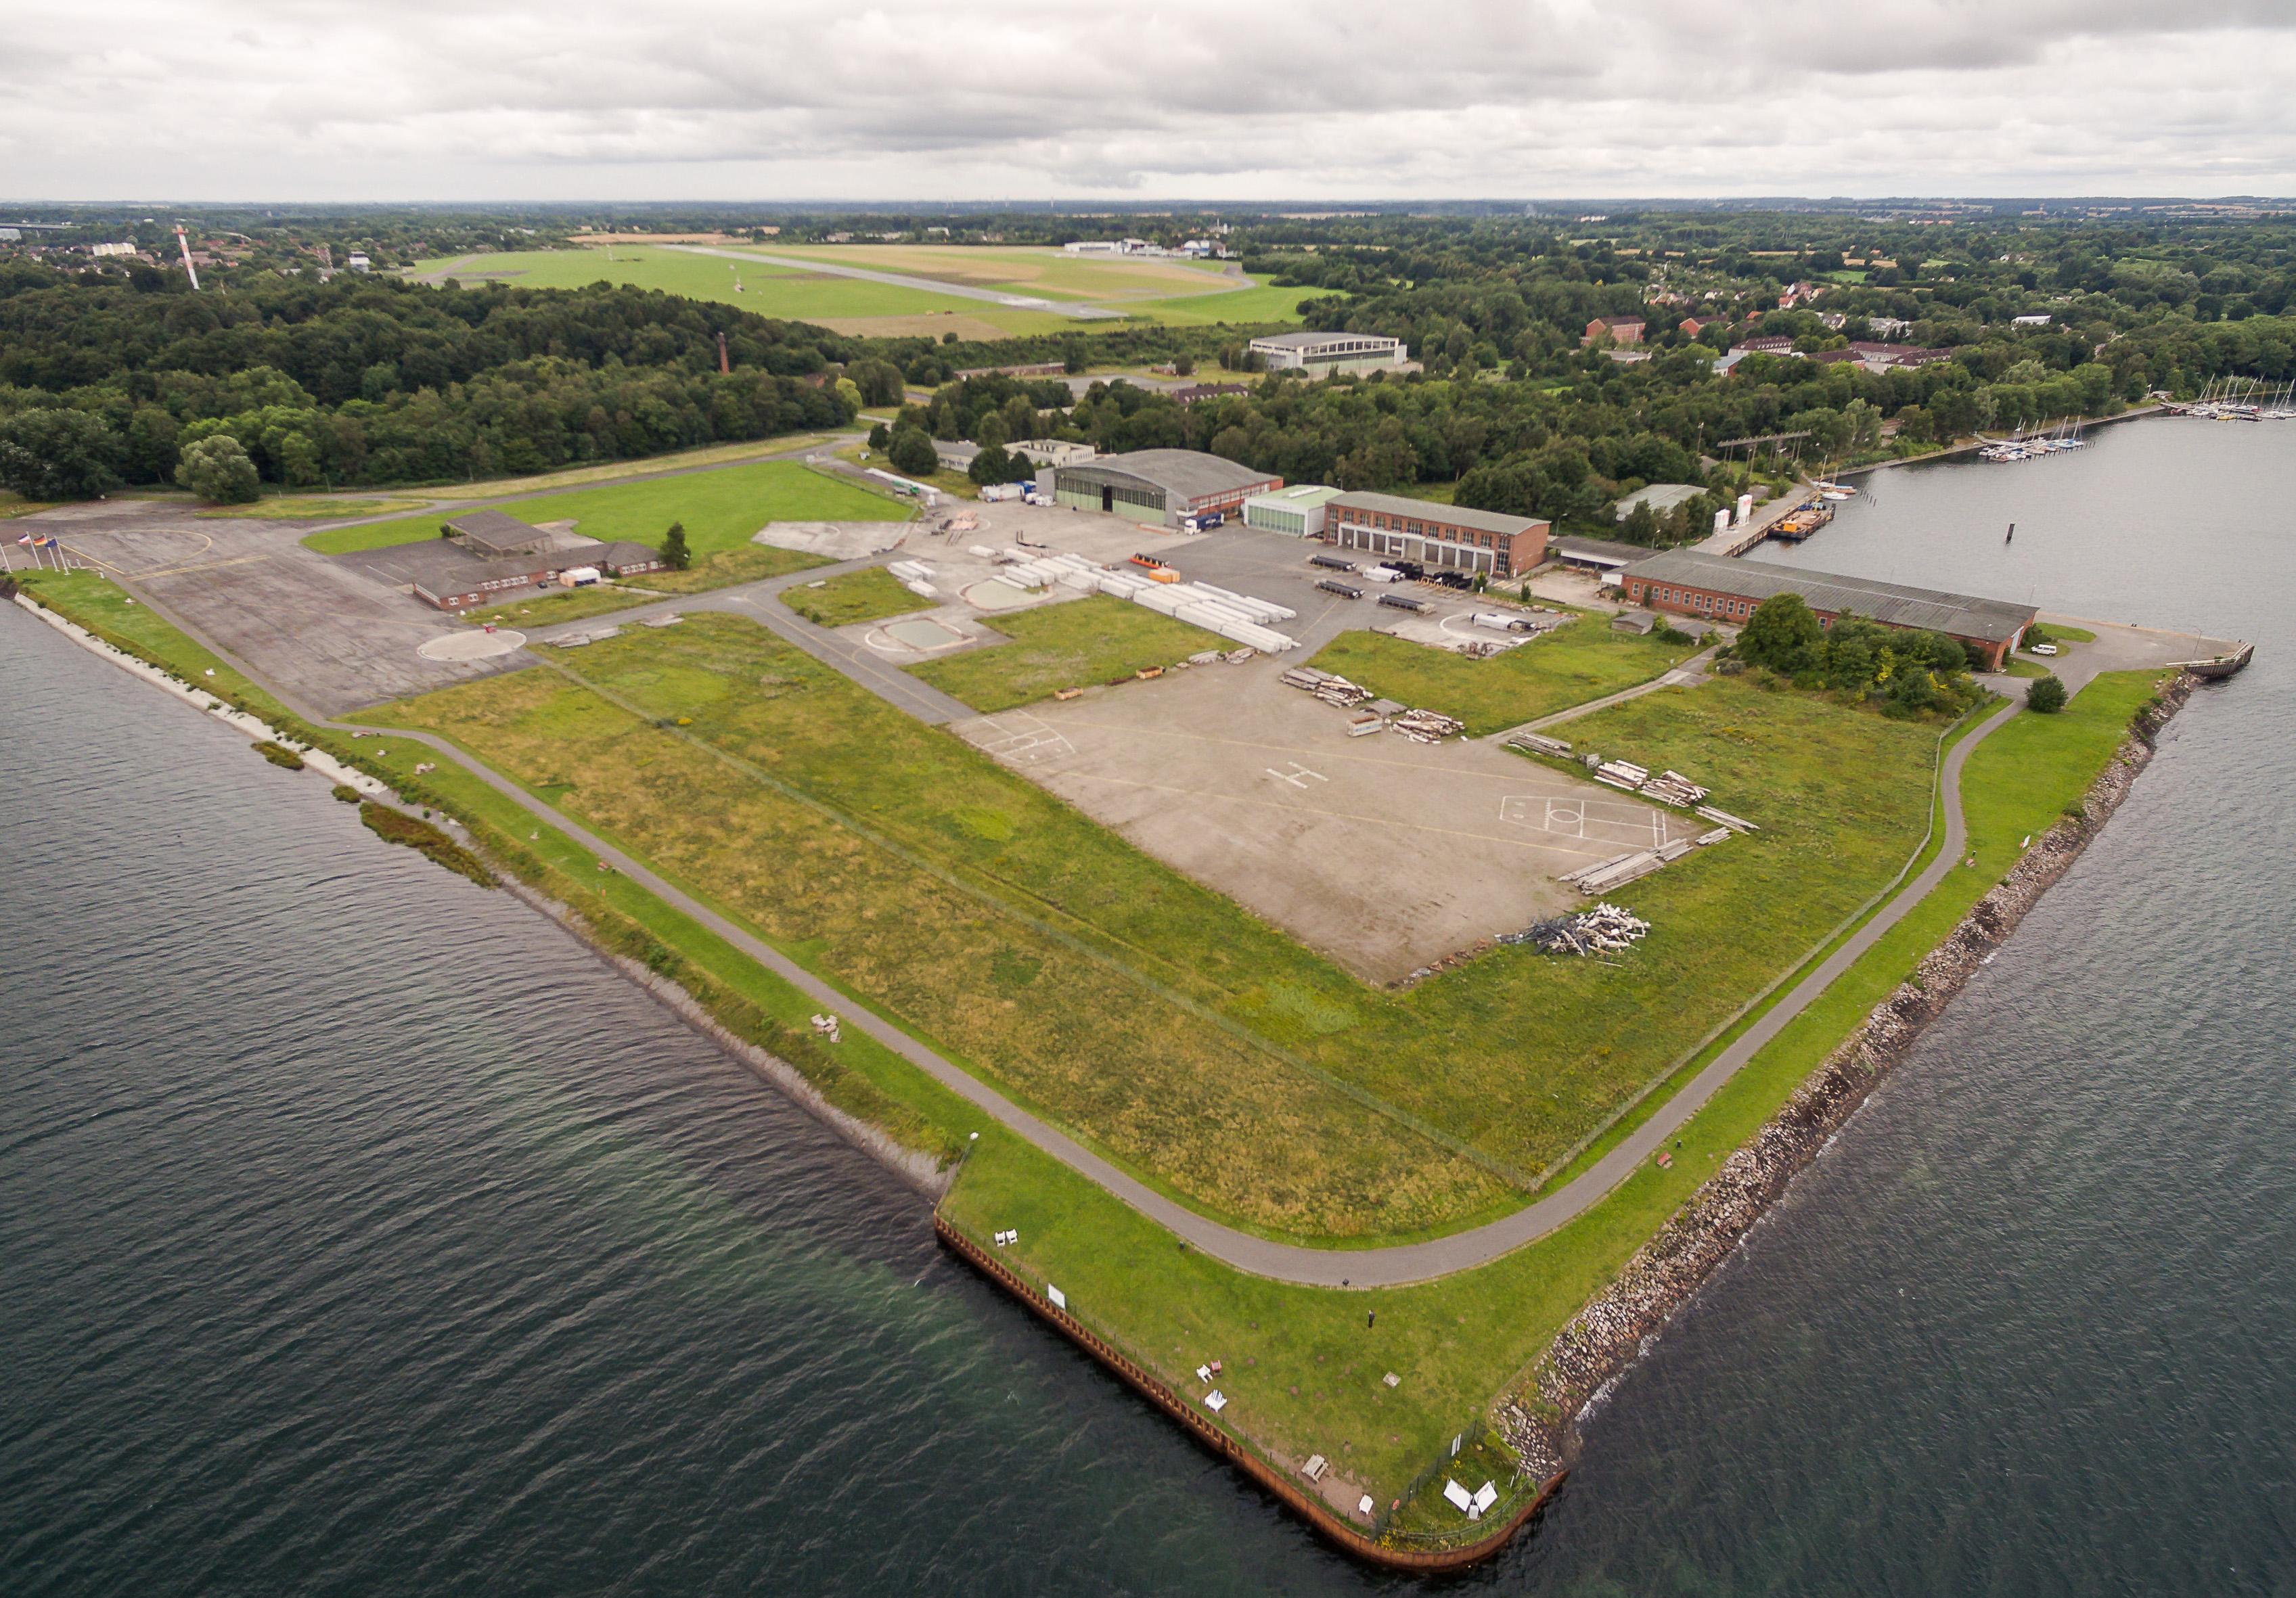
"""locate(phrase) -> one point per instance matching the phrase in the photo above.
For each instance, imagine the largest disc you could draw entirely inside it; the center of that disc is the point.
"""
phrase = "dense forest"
(366, 380)
(2025, 321)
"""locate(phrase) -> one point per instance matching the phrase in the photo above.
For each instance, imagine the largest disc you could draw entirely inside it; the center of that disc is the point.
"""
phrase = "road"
(1078, 309)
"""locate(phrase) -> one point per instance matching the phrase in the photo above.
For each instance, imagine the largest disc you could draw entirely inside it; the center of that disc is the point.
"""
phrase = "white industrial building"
(1329, 352)
(1297, 511)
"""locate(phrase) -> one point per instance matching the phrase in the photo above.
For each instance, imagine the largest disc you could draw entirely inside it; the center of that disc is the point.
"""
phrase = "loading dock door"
(1107, 497)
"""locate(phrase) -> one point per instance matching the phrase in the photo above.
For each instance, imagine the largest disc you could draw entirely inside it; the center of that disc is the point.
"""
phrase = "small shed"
(1634, 621)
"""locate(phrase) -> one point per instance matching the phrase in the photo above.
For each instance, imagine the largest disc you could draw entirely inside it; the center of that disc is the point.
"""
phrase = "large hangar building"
(1162, 488)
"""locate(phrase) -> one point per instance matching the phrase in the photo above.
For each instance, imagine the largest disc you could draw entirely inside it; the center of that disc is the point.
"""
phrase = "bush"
(2046, 696)
(911, 451)
(346, 793)
(278, 755)
(55, 454)
(216, 468)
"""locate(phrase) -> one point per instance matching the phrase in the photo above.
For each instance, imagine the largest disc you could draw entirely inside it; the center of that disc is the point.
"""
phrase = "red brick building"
(1718, 588)
(1446, 538)
(1618, 330)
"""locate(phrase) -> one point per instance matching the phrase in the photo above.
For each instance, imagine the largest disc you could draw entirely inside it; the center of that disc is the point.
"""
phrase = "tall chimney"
(724, 365)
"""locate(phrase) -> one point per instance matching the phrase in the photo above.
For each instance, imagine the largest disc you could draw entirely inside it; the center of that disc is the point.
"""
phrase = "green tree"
(216, 468)
(56, 454)
(880, 436)
(911, 450)
(2046, 696)
(298, 460)
(989, 432)
(991, 465)
(674, 554)
(1784, 634)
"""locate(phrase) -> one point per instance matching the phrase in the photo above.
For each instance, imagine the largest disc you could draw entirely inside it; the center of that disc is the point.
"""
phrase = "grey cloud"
(960, 98)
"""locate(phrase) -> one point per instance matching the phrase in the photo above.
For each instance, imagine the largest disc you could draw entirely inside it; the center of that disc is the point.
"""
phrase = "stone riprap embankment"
(1620, 1324)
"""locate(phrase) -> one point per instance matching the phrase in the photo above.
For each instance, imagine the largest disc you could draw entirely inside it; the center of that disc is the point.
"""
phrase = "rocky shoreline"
(1606, 1337)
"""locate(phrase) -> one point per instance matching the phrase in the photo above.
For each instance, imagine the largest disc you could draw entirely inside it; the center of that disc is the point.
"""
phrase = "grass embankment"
(1073, 644)
(1581, 660)
(721, 509)
(1302, 1368)
(857, 1075)
(865, 595)
(1240, 1070)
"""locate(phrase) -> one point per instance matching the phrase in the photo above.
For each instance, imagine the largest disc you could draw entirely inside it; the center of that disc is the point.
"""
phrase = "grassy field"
(959, 912)
(790, 293)
(1580, 661)
(999, 923)
(1302, 1367)
(721, 509)
(855, 596)
(1178, 292)
(295, 507)
(610, 472)
(1068, 645)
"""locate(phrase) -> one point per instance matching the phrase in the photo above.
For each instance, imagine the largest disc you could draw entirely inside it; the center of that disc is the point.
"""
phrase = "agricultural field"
(868, 595)
(1068, 645)
(1582, 661)
(1271, 1089)
(721, 509)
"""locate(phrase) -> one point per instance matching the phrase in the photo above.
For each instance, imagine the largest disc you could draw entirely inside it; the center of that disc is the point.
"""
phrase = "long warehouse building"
(1450, 538)
(1160, 486)
(1722, 589)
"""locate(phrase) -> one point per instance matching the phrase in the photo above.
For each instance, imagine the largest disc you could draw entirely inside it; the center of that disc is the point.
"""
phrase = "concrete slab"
(321, 628)
(836, 540)
(1385, 854)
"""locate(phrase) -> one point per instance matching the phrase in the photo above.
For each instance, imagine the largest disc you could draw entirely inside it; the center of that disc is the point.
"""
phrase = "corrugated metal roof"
(1184, 475)
(1965, 616)
(1424, 510)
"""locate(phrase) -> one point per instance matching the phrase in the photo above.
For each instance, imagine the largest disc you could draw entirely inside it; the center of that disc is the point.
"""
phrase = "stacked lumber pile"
(1426, 726)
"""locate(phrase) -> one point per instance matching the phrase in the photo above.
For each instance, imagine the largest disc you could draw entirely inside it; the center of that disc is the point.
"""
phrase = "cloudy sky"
(318, 100)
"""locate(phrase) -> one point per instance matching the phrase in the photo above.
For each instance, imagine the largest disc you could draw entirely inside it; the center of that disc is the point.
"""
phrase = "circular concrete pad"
(924, 633)
(995, 594)
(477, 645)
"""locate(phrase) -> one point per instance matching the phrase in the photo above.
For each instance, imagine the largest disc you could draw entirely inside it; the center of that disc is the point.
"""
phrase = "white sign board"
(1060, 1300)
(1457, 1494)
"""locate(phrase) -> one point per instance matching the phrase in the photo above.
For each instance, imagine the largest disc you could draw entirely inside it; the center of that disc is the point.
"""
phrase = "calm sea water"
(360, 1234)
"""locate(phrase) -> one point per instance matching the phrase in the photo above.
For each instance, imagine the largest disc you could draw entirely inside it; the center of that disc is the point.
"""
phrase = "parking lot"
(1385, 854)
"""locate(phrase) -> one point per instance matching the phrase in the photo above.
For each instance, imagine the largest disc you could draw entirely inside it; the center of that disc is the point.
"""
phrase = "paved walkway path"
(1285, 1262)
(1692, 670)
(761, 601)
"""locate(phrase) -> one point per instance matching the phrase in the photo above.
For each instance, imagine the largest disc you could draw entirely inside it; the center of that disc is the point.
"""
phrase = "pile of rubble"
(1605, 929)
